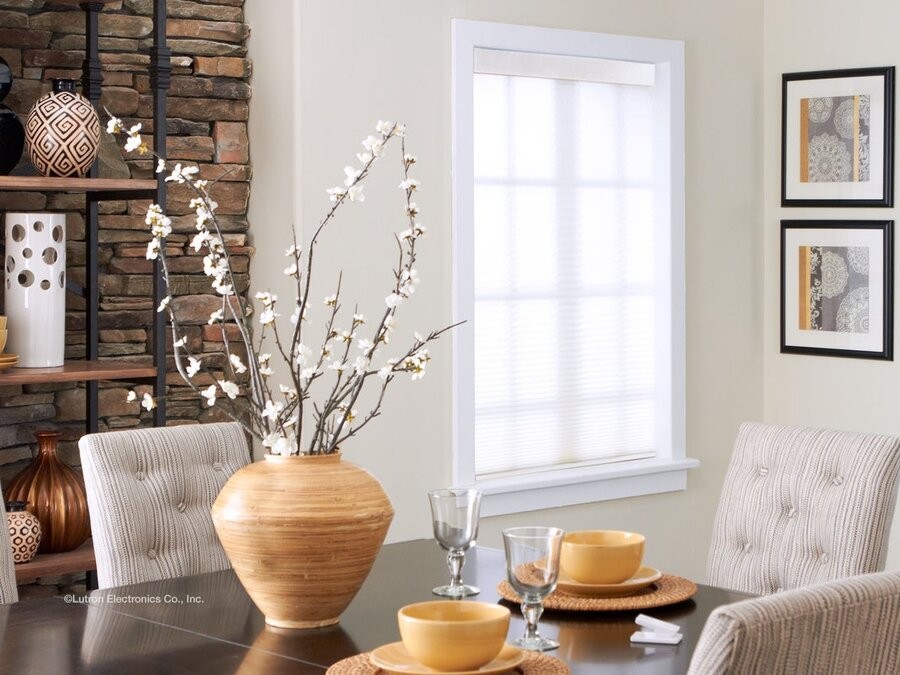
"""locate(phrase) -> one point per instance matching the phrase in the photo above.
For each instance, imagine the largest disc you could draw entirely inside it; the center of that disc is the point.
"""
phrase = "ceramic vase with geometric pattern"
(24, 531)
(36, 288)
(62, 132)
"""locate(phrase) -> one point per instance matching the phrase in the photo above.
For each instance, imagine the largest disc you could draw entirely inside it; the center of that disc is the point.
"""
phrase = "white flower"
(295, 315)
(290, 392)
(272, 410)
(307, 374)
(385, 372)
(335, 192)
(266, 371)
(331, 301)
(153, 249)
(165, 303)
(237, 364)
(263, 358)
(271, 439)
(352, 175)
(132, 394)
(415, 364)
(400, 130)
(180, 342)
(267, 316)
(393, 300)
(302, 354)
(268, 299)
(218, 315)
(147, 402)
(364, 157)
(291, 270)
(199, 239)
(346, 336)
(364, 344)
(193, 366)
(374, 145)
(134, 143)
(419, 337)
(114, 125)
(359, 319)
(409, 159)
(355, 194)
(285, 446)
(412, 209)
(384, 128)
(210, 395)
(292, 250)
(339, 366)
(160, 165)
(409, 184)
(230, 388)
(360, 365)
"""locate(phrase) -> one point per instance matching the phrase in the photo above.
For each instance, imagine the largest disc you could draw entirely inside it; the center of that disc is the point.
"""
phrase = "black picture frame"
(833, 323)
(868, 93)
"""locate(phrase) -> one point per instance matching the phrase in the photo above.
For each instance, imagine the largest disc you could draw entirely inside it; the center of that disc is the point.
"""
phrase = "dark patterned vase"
(24, 531)
(63, 132)
(12, 135)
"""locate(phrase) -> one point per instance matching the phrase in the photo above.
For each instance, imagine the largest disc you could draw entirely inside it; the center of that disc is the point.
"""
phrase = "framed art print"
(836, 288)
(837, 140)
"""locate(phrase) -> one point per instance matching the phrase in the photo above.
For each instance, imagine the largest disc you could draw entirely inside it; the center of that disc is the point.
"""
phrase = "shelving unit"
(96, 189)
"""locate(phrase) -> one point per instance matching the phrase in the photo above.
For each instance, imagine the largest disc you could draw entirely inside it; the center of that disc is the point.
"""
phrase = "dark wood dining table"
(208, 624)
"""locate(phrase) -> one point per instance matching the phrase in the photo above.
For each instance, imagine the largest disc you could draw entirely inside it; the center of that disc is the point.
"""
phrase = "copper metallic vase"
(55, 494)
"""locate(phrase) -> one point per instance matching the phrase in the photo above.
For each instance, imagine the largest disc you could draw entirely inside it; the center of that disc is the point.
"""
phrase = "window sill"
(567, 487)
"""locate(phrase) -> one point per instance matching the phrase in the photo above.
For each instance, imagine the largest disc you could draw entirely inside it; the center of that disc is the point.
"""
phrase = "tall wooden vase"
(302, 533)
(55, 494)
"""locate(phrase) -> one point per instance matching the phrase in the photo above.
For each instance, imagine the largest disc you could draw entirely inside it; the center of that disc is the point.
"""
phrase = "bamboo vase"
(302, 533)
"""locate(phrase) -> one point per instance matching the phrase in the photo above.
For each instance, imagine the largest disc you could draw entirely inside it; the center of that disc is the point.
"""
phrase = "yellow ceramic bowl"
(601, 556)
(453, 635)
(2, 322)
(3, 335)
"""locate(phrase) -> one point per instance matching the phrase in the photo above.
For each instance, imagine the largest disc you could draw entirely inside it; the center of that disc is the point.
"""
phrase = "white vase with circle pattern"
(35, 298)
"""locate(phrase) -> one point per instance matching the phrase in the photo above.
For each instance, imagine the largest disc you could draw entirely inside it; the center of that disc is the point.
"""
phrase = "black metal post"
(91, 82)
(160, 80)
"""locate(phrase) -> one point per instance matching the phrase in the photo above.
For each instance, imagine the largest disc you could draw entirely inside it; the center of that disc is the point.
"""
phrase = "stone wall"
(207, 124)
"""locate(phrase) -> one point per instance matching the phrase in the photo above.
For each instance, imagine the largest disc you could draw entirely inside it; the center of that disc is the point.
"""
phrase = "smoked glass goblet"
(454, 515)
(532, 567)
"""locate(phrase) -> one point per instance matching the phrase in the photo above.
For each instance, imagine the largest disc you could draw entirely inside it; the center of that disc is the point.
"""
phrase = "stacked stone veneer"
(207, 125)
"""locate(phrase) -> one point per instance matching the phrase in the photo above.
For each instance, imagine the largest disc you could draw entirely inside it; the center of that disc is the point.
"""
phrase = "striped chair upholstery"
(149, 494)
(9, 592)
(802, 506)
(844, 627)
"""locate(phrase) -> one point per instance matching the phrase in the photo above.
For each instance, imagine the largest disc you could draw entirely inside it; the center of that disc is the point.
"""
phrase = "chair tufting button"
(837, 480)
(747, 547)
(763, 471)
(791, 512)
(823, 558)
(151, 554)
(217, 466)
(139, 475)
(181, 507)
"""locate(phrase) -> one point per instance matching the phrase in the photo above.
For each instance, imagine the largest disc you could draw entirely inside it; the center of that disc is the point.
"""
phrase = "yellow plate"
(641, 579)
(395, 659)
(9, 357)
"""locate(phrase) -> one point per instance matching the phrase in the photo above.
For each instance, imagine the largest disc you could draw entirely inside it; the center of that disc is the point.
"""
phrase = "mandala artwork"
(834, 139)
(834, 288)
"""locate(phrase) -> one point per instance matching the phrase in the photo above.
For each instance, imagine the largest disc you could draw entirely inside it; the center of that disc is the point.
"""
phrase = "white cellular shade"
(569, 334)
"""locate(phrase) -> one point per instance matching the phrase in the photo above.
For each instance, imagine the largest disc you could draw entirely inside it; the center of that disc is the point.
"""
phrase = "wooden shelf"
(78, 371)
(41, 184)
(53, 564)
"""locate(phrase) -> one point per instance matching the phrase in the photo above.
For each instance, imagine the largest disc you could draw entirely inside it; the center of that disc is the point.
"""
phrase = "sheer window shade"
(571, 263)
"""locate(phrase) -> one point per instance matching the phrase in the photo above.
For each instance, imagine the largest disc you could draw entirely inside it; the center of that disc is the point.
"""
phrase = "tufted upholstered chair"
(9, 592)
(802, 506)
(847, 626)
(149, 494)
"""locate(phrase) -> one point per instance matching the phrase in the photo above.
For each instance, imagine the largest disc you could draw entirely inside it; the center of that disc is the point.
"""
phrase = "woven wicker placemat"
(667, 591)
(534, 664)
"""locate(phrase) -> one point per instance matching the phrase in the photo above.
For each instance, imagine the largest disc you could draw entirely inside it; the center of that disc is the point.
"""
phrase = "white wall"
(852, 394)
(364, 61)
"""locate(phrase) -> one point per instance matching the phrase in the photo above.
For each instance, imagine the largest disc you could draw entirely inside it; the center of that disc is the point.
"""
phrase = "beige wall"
(364, 61)
(851, 394)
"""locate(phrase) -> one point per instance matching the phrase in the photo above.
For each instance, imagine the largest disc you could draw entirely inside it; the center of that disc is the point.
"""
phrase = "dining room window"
(568, 247)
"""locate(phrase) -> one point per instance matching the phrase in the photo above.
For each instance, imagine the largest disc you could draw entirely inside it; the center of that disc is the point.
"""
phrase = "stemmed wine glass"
(532, 566)
(454, 514)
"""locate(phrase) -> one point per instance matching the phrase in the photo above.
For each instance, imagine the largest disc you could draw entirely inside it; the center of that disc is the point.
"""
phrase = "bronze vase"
(55, 494)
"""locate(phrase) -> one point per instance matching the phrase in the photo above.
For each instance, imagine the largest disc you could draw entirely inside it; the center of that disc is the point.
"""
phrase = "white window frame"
(667, 471)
